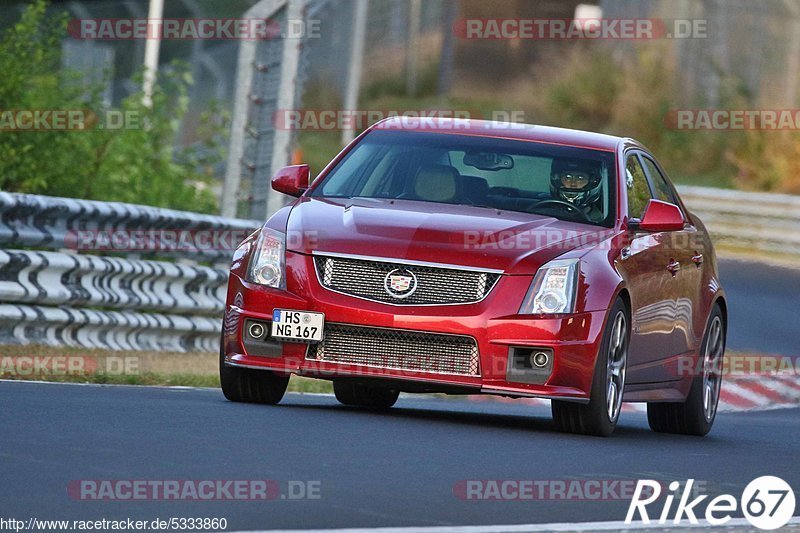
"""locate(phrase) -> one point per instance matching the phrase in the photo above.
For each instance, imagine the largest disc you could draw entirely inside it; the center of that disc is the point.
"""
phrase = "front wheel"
(600, 415)
(364, 396)
(696, 415)
(250, 385)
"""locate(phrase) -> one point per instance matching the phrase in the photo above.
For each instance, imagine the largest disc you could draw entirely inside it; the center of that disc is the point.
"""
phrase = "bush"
(631, 96)
(768, 161)
(578, 90)
(135, 164)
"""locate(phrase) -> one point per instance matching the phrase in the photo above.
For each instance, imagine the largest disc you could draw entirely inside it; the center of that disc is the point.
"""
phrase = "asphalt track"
(763, 307)
(394, 469)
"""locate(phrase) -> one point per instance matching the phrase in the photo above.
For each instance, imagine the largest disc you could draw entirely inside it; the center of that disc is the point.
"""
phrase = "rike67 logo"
(768, 502)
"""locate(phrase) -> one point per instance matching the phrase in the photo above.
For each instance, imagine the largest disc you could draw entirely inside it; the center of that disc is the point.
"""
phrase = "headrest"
(436, 183)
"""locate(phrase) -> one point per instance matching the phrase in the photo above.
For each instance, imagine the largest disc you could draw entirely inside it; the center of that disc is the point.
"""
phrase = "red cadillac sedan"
(464, 257)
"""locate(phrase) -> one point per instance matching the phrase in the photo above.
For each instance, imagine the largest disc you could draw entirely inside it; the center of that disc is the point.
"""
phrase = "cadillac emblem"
(400, 283)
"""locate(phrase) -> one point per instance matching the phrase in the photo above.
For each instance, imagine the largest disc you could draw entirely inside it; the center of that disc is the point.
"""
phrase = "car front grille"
(397, 349)
(367, 279)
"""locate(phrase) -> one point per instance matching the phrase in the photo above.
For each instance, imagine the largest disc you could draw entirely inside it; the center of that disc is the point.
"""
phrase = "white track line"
(524, 528)
(79, 384)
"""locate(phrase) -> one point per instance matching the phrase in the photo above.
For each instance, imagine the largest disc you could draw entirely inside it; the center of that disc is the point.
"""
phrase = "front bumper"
(498, 331)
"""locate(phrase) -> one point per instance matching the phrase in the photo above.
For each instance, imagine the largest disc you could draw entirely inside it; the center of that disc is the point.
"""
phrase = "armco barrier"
(55, 296)
(52, 294)
(54, 278)
(53, 223)
(759, 221)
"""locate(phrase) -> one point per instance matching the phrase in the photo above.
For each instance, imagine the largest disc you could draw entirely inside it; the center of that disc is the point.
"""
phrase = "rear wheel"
(696, 415)
(250, 385)
(600, 415)
(364, 396)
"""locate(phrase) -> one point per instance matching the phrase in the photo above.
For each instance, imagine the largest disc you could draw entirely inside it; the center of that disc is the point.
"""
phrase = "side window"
(664, 192)
(638, 190)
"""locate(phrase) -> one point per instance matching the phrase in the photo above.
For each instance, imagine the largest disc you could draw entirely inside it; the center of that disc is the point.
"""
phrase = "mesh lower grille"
(430, 286)
(397, 350)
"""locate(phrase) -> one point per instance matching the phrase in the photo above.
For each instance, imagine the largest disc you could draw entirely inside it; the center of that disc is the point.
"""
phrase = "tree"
(136, 162)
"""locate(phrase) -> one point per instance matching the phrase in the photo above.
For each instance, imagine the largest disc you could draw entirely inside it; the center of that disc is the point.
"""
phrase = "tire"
(696, 415)
(599, 416)
(364, 396)
(250, 385)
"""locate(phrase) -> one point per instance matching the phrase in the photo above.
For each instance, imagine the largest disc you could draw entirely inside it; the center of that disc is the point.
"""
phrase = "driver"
(577, 182)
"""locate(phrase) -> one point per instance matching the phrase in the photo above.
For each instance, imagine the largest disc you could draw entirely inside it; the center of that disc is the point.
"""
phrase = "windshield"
(560, 181)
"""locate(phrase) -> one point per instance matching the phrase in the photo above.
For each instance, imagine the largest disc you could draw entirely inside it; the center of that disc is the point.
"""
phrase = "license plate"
(298, 326)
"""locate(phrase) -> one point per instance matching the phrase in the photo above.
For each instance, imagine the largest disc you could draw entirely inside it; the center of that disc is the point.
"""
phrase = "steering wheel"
(566, 205)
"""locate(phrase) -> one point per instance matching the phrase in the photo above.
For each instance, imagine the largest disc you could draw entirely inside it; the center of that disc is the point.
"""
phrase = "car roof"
(506, 130)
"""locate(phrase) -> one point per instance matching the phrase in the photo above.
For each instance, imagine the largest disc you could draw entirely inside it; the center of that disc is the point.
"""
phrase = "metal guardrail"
(764, 222)
(52, 295)
(49, 222)
(55, 278)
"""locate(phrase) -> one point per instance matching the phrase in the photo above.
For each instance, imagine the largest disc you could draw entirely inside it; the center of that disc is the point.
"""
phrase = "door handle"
(697, 259)
(673, 267)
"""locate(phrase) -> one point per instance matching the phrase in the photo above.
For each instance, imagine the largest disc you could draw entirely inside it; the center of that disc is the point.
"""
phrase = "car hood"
(516, 243)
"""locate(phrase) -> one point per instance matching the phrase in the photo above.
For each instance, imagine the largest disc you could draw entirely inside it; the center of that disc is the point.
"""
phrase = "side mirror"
(661, 216)
(291, 180)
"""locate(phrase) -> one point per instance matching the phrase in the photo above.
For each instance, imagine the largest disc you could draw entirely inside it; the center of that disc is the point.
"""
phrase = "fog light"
(256, 330)
(539, 359)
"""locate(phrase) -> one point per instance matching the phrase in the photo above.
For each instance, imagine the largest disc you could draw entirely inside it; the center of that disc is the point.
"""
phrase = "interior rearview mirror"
(488, 161)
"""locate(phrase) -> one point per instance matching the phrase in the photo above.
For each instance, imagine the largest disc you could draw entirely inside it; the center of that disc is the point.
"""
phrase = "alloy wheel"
(712, 371)
(616, 366)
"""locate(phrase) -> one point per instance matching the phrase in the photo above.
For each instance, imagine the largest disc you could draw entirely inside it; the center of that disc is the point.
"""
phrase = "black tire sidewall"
(598, 405)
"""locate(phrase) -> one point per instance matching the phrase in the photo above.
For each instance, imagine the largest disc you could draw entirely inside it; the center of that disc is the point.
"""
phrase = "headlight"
(268, 262)
(553, 289)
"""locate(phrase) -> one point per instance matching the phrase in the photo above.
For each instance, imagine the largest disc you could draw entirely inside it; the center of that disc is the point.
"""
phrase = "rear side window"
(638, 190)
(664, 192)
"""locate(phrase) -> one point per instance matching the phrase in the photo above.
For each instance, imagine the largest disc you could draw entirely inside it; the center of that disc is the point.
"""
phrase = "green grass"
(296, 383)
(198, 369)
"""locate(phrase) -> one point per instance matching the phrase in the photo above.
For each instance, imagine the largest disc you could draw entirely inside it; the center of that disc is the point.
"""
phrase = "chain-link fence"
(400, 40)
